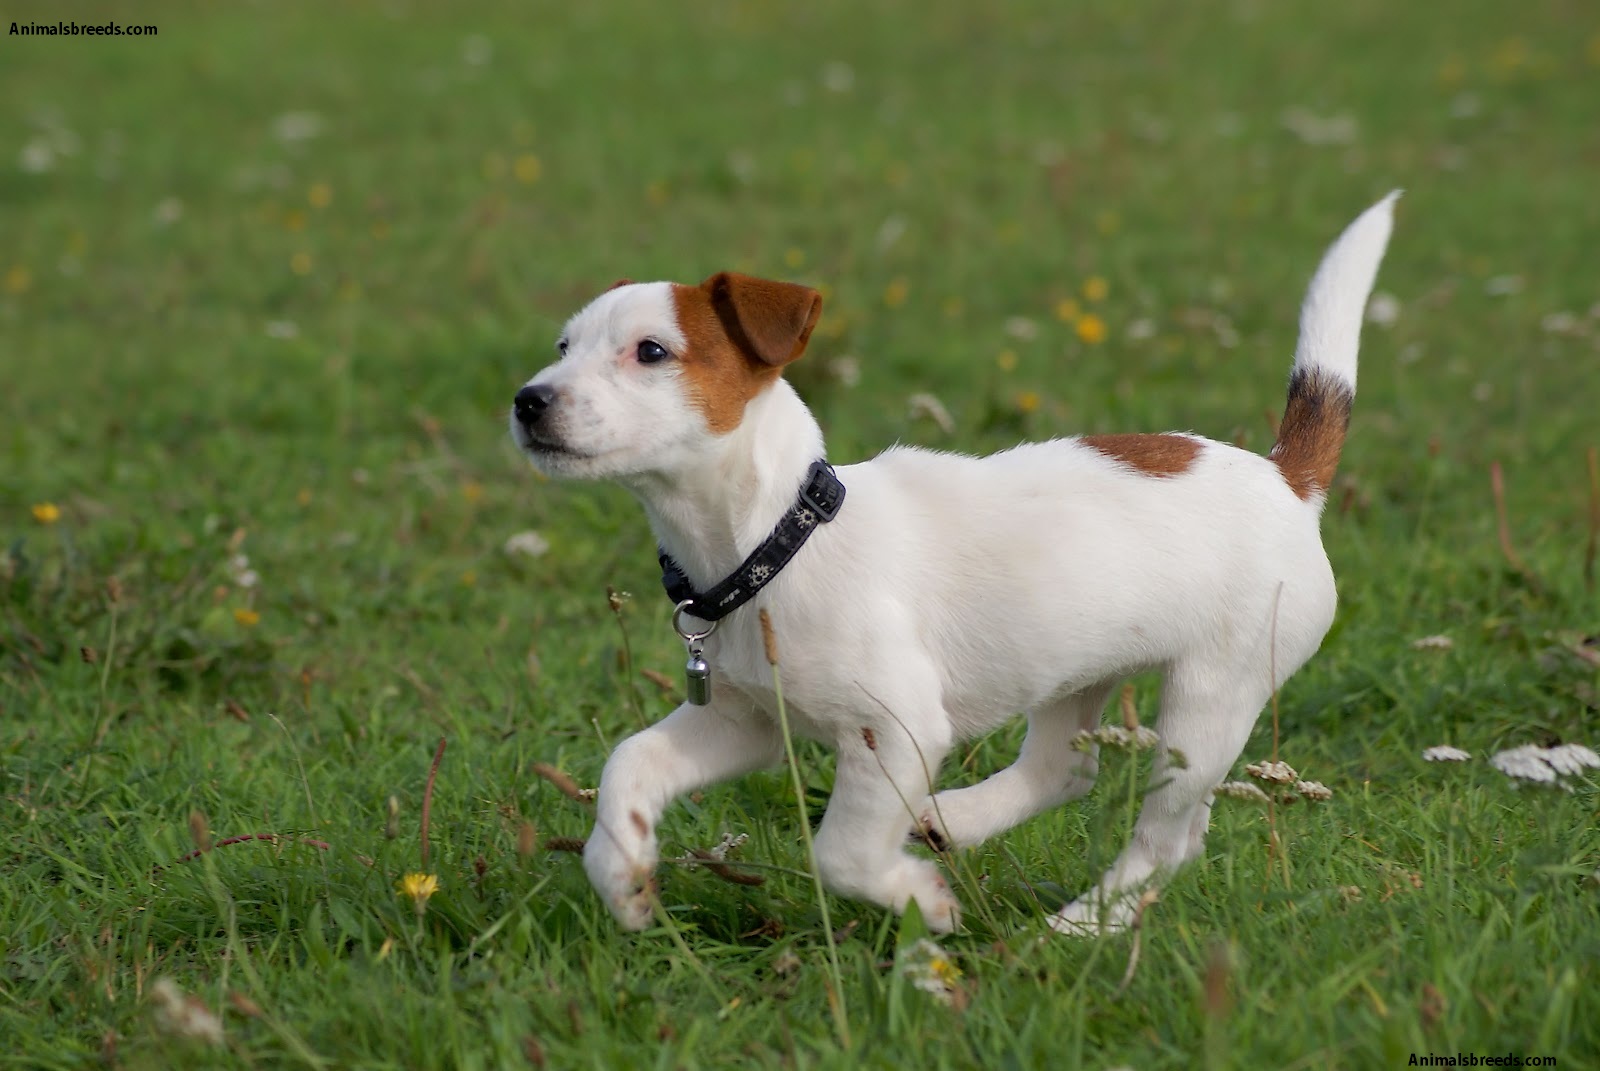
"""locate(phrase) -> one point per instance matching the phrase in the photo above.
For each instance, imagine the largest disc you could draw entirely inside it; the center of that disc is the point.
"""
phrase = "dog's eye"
(561, 347)
(651, 351)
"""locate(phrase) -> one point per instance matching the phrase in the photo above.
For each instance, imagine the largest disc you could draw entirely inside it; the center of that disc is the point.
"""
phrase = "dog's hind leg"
(1047, 773)
(1206, 718)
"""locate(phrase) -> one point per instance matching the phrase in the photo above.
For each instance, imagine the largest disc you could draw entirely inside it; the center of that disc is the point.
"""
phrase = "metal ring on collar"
(689, 637)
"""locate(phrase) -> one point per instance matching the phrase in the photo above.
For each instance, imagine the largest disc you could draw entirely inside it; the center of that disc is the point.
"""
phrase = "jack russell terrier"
(947, 593)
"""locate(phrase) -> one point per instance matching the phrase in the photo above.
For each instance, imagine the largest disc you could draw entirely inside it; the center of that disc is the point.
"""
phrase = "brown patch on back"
(1312, 432)
(1151, 455)
(740, 331)
(619, 282)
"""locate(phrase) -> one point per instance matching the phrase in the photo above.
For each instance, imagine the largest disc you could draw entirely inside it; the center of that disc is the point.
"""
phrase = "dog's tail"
(1322, 386)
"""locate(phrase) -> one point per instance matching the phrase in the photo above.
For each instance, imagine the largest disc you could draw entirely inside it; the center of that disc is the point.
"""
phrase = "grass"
(221, 337)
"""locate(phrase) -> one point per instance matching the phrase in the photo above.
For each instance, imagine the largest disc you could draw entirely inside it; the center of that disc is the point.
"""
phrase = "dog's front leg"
(692, 747)
(882, 775)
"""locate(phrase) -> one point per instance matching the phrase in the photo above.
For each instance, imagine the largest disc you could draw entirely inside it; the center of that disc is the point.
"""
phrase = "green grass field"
(269, 279)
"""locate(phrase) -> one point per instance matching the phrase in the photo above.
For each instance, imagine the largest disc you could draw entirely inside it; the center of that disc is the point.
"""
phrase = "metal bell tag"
(697, 678)
(696, 672)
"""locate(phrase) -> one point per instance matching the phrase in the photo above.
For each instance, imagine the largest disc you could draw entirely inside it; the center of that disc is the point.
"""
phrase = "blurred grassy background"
(269, 278)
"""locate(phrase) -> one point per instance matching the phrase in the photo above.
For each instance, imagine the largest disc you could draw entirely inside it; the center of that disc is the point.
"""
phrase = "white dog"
(947, 593)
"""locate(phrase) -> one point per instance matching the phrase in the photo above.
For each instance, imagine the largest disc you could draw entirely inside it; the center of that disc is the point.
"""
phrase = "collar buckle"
(822, 491)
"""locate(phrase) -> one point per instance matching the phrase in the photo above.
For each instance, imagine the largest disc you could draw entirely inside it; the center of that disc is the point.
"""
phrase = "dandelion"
(1280, 773)
(246, 617)
(320, 195)
(46, 512)
(472, 491)
(1068, 310)
(794, 258)
(527, 169)
(1314, 790)
(895, 294)
(1445, 753)
(18, 280)
(929, 968)
(418, 888)
(1095, 288)
(182, 1015)
(1241, 790)
(529, 544)
(1091, 329)
(300, 263)
(1006, 360)
(1027, 401)
(1433, 643)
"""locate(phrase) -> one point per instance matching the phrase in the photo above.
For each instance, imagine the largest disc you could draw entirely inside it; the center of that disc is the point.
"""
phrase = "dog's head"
(650, 373)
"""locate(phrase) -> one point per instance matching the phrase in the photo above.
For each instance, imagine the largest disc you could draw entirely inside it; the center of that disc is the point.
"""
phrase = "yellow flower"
(1091, 329)
(302, 497)
(300, 263)
(380, 229)
(1095, 288)
(1594, 50)
(895, 294)
(1007, 360)
(1107, 222)
(18, 279)
(794, 258)
(320, 195)
(419, 888)
(656, 193)
(472, 491)
(953, 307)
(1027, 401)
(469, 579)
(1452, 71)
(246, 617)
(46, 512)
(294, 220)
(527, 169)
(1067, 310)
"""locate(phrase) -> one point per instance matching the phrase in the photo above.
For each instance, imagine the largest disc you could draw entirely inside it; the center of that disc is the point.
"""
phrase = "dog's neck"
(710, 512)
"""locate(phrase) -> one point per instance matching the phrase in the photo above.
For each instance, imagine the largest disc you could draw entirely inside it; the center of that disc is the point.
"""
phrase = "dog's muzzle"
(531, 404)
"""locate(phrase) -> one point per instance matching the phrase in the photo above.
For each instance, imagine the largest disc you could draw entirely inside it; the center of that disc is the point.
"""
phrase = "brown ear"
(768, 320)
(619, 282)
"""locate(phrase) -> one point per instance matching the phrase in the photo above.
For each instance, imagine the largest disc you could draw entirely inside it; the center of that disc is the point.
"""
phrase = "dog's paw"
(954, 819)
(919, 880)
(626, 885)
(928, 831)
(1091, 915)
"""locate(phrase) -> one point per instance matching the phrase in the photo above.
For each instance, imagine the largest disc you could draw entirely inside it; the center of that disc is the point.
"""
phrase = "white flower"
(477, 50)
(1445, 753)
(1141, 330)
(291, 127)
(1314, 790)
(530, 544)
(926, 405)
(1277, 772)
(1570, 759)
(282, 329)
(846, 371)
(1559, 323)
(1117, 737)
(1316, 129)
(169, 211)
(838, 77)
(1021, 327)
(37, 157)
(1383, 309)
(1526, 762)
(1433, 643)
(1503, 285)
(929, 968)
(730, 842)
(1240, 790)
(182, 1015)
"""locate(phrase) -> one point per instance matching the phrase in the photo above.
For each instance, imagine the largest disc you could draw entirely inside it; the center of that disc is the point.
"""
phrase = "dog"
(946, 593)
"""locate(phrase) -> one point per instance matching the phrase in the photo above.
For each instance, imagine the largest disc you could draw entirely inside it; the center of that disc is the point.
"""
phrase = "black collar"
(819, 502)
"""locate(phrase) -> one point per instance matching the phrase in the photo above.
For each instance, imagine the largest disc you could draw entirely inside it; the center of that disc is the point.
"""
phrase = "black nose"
(531, 402)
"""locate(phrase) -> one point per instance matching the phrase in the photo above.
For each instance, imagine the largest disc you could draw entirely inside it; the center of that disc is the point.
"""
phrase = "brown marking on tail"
(1152, 455)
(1312, 432)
